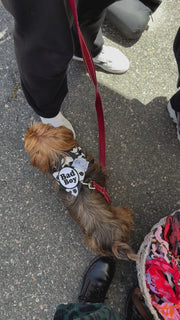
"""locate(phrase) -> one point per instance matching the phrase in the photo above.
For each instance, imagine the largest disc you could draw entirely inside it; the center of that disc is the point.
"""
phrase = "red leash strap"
(88, 61)
(102, 190)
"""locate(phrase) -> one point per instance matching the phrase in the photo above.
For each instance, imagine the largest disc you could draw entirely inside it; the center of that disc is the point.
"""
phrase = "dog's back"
(106, 229)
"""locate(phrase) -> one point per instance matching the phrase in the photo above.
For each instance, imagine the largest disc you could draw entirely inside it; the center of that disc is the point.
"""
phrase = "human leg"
(174, 103)
(43, 47)
(130, 17)
(175, 100)
(91, 15)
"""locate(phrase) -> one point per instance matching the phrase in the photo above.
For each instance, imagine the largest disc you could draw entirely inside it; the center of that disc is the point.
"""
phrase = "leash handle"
(88, 61)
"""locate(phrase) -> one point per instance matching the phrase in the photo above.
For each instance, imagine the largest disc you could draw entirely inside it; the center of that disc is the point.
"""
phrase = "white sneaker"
(176, 118)
(58, 121)
(110, 59)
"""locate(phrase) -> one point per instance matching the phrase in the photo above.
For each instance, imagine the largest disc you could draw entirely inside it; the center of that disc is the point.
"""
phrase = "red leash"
(102, 190)
(88, 61)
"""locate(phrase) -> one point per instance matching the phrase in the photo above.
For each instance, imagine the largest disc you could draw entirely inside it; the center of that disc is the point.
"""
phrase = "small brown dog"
(105, 228)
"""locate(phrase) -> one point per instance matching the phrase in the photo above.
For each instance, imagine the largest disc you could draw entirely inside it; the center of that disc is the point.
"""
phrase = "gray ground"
(43, 256)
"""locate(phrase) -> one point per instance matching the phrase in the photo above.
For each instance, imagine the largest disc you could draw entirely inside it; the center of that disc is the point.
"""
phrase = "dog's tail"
(120, 248)
(123, 251)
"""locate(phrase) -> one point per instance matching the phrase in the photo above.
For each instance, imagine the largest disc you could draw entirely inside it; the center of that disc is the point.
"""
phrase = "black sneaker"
(97, 280)
(176, 118)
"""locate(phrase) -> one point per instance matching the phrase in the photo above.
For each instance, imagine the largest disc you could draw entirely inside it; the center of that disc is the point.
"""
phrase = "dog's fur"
(105, 228)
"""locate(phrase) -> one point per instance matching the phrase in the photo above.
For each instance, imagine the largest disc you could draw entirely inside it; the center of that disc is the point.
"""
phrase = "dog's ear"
(44, 143)
(123, 251)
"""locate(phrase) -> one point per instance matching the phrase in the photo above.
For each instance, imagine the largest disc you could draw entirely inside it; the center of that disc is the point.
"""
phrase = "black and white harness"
(71, 175)
(72, 172)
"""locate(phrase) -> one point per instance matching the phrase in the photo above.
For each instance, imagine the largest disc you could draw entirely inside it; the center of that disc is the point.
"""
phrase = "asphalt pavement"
(42, 254)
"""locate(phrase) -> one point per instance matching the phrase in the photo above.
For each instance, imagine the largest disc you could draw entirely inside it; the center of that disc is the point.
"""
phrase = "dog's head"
(45, 144)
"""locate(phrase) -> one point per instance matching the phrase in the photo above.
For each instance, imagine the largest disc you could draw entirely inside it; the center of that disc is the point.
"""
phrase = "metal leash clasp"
(89, 184)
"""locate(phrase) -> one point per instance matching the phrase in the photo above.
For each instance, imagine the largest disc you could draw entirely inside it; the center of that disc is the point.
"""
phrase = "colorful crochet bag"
(158, 268)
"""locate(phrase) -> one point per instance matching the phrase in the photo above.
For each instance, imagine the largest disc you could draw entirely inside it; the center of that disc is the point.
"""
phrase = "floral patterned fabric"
(163, 269)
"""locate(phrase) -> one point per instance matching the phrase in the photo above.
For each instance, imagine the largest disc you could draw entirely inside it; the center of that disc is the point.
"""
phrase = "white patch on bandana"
(68, 177)
(72, 172)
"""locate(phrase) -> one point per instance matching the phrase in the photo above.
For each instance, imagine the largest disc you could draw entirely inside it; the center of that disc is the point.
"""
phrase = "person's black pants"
(175, 100)
(44, 46)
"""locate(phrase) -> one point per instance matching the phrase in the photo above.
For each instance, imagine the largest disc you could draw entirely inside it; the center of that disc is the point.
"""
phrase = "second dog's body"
(105, 228)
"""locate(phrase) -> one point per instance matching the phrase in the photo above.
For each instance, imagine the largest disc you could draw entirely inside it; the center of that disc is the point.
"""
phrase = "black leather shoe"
(97, 280)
